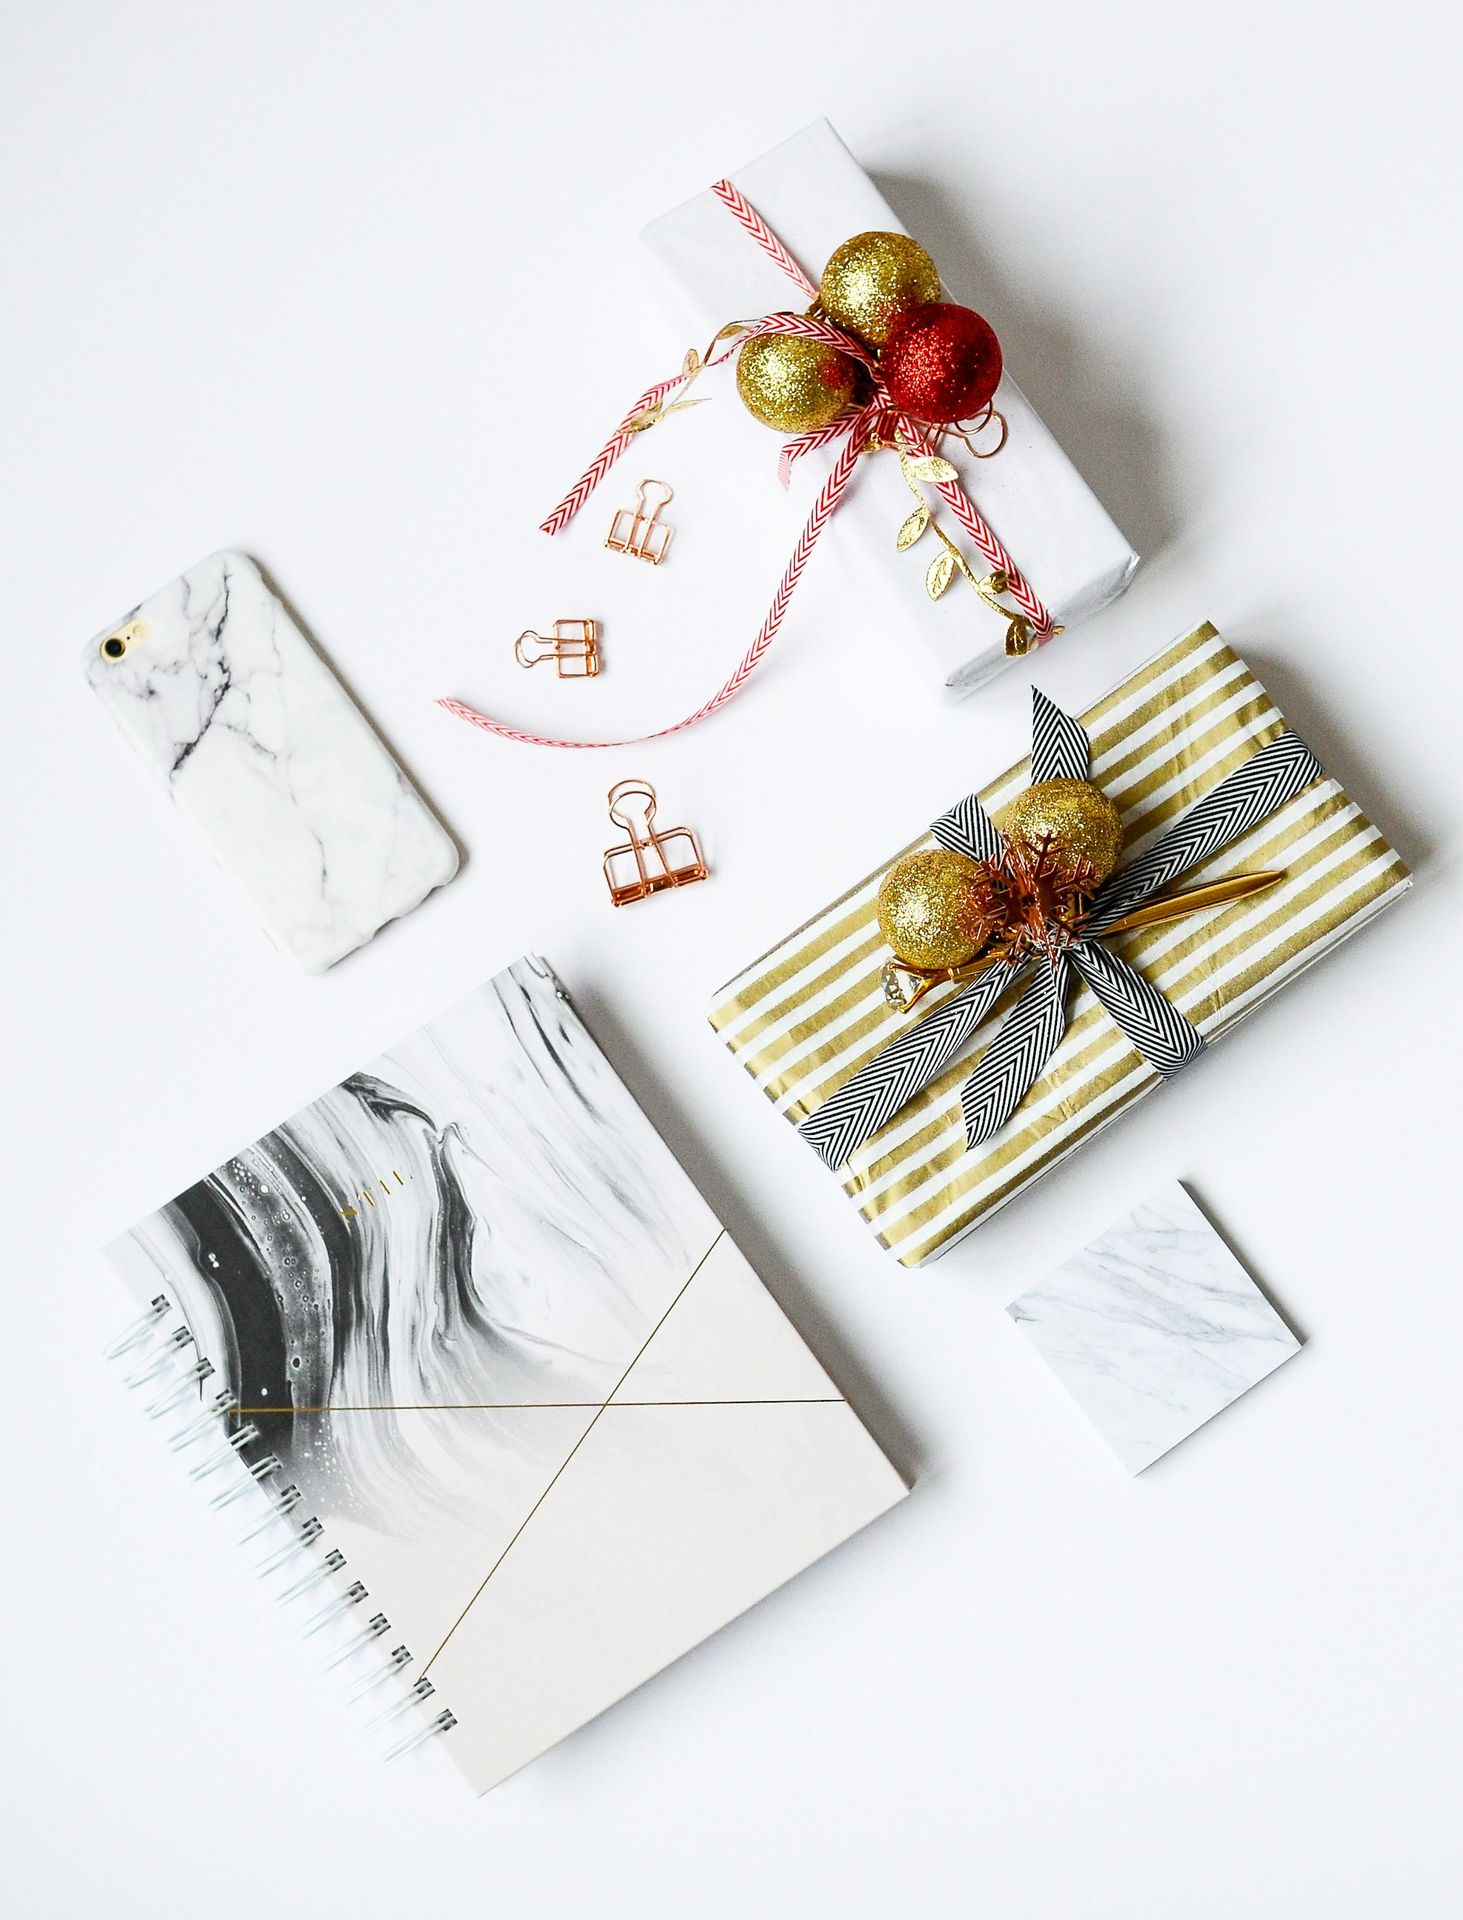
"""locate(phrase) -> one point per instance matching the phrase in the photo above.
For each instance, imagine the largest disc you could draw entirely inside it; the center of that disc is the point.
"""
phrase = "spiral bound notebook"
(516, 1403)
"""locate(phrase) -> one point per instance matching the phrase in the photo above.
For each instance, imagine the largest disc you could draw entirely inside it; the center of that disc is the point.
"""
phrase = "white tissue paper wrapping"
(813, 194)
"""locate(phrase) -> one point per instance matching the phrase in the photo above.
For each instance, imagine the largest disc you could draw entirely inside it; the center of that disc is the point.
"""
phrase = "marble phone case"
(260, 745)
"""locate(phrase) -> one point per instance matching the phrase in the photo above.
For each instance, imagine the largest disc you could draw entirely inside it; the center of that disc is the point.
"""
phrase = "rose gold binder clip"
(648, 862)
(573, 647)
(639, 529)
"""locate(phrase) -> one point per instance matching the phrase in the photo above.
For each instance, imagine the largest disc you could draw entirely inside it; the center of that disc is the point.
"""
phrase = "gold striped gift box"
(811, 1012)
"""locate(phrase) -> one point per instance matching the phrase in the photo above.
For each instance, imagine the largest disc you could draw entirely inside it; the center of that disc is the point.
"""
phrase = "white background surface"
(358, 288)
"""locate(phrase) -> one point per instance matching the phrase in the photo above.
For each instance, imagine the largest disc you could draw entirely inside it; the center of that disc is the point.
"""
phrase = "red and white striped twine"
(878, 419)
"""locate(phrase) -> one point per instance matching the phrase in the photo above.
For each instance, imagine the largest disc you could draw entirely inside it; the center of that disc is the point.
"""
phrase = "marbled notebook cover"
(537, 1397)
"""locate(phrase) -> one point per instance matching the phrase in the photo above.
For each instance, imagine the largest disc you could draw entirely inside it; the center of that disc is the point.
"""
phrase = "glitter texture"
(1075, 817)
(930, 910)
(941, 362)
(873, 278)
(794, 384)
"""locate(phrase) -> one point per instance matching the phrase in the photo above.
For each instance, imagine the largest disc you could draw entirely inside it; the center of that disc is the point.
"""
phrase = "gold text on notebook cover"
(368, 1199)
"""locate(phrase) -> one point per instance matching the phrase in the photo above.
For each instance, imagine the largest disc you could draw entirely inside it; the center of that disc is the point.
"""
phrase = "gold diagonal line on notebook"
(558, 1471)
(528, 1406)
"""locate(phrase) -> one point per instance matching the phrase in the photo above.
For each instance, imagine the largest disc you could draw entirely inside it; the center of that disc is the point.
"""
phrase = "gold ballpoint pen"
(1217, 893)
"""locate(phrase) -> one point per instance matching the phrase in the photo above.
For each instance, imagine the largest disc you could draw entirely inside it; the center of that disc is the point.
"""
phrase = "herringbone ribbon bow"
(1030, 1033)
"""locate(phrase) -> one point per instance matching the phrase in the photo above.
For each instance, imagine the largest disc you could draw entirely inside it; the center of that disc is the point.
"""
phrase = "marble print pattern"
(1154, 1327)
(515, 1365)
(256, 740)
(483, 1218)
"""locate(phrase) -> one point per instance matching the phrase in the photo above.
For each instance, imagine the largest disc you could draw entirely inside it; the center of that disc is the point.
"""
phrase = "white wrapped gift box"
(814, 195)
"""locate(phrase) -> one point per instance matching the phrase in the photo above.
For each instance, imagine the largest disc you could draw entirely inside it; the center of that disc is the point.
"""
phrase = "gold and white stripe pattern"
(811, 1012)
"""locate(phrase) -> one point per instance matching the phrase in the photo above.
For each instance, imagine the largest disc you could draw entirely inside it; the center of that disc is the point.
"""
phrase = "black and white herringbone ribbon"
(1031, 1032)
(968, 829)
(1266, 781)
(1025, 1040)
(1059, 749)
(904, 1068)
(1157, 1029)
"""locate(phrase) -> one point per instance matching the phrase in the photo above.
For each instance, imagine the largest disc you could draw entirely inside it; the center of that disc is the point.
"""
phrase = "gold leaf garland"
(932, 469)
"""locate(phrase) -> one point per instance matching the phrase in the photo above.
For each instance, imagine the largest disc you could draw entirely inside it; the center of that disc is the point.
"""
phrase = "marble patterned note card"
(1154, 1327)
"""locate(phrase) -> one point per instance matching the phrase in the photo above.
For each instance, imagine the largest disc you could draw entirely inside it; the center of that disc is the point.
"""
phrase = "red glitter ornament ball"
(941, 362)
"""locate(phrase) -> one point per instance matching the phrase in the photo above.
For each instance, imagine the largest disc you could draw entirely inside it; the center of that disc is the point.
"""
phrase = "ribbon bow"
(876, 423)
(1030, 1033)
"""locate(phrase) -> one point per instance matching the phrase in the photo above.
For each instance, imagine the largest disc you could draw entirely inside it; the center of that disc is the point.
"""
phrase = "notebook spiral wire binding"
(156, 1352)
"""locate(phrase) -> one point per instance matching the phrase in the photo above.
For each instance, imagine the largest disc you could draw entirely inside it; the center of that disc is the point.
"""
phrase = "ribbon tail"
(1028, 1037)
(888, 1082)
(1059, 749)
(828, 498)
(645, 413)
(608, 454)
(1267, 781)
(1164, 1037)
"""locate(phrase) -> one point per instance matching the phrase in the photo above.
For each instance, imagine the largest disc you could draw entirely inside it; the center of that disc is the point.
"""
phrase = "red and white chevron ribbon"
(737, 204)
(877, 422)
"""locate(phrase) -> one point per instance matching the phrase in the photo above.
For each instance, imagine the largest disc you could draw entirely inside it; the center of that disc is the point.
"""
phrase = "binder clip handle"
(573, 647)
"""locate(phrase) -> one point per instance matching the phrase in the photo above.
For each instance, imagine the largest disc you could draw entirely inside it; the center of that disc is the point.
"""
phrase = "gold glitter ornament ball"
(872, 279)
(928, 909)
(1078, 817)
(793, 384)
